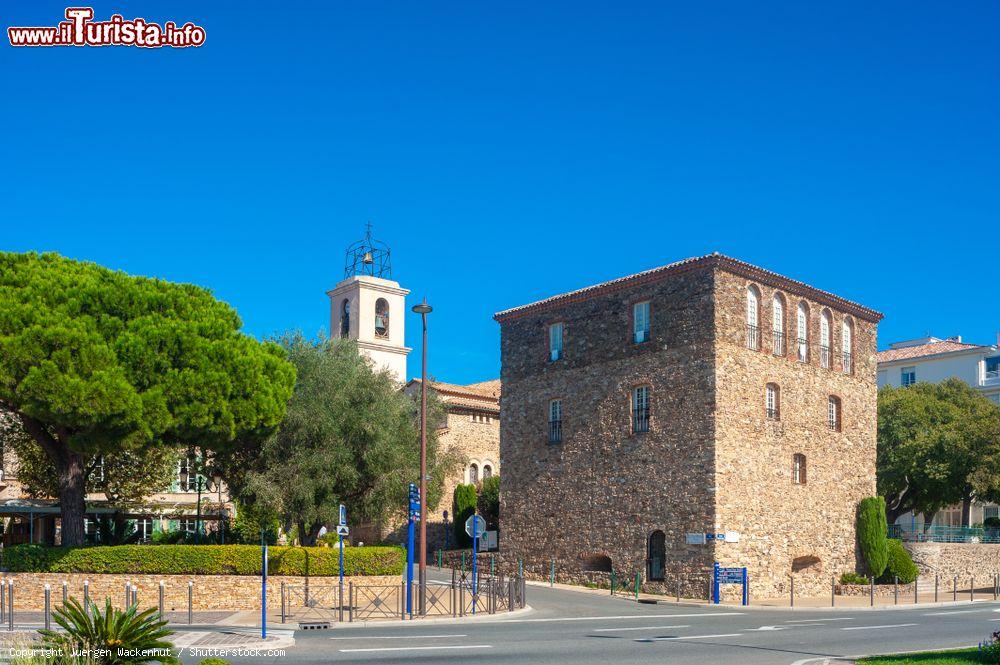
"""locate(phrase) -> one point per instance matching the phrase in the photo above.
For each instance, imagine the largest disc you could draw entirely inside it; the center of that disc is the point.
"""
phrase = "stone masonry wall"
(780, 522)
(603, 490)
(950, 559)
(211, 592)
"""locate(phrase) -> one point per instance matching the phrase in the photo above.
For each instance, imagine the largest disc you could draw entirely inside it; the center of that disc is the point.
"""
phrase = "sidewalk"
(926, 599)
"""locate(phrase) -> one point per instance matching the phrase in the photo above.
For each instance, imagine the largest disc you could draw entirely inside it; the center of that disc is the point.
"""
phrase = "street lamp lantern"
(423, 309)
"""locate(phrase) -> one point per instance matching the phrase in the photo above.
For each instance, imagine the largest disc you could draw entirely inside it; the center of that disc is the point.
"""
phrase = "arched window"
(487, 471)
(847, 346)
(778, 324)
(473, 474)
(656, 556)
(381, 317)
(345, 318)
(753, 318)
(802, 332)
(799, 469)
(833, 413)
(772, 401)
(824, 338)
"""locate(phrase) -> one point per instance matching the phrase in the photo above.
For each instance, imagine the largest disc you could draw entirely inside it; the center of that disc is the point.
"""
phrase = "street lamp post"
(423, 309)
(217, 479)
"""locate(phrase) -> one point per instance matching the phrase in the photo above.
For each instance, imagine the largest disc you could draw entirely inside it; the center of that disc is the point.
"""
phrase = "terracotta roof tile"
(923, 350)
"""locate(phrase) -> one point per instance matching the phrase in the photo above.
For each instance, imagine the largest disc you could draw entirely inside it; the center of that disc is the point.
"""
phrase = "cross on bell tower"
(369, 308)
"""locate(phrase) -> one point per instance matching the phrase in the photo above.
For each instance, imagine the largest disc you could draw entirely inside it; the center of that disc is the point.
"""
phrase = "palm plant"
(108, 637)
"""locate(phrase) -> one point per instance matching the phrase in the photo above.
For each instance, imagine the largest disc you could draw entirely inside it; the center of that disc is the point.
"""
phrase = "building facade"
(470, 431)
(932, 360)
(708, 396)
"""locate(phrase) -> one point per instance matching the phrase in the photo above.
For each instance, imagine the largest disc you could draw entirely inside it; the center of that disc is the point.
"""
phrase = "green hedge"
(202, 560)
(900, 564)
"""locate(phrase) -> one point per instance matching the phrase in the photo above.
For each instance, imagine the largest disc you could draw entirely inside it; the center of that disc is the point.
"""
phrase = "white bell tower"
(369, 308)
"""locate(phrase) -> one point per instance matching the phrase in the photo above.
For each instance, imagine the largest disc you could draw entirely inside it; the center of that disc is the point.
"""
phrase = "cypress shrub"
(873, 534)
(900, 564)
(203, 560)
(463, 507)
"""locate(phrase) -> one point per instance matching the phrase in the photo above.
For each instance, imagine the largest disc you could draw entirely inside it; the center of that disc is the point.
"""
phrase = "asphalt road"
(570, 627)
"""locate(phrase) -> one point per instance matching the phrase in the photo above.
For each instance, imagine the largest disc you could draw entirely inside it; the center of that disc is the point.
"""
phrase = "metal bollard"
(402, 600)
(895, 590)
(833, 591)
(161, 599)
(128, 595)
(936, 576)
(637, 587)
(135, 596)
(10, 605)
(871, 591)
(461, 600)
(791, 588)
(3, 599)
(510, 595)
(972, 589)
(86, 594)
(954, 589)
(283, 605)
(350, 602)
(678, 590)
(190, 602)
(916, 592)
(48, 607)
(552, 573)
(65, 593)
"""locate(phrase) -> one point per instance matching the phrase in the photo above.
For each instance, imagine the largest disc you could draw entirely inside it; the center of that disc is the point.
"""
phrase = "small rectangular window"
(555, 421)
(640, 322)
(640, 410)
(555, 341)
(908, 376)
(833, 413)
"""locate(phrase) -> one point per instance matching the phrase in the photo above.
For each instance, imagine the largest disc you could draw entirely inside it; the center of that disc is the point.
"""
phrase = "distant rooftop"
(923, 347)
(484, 395)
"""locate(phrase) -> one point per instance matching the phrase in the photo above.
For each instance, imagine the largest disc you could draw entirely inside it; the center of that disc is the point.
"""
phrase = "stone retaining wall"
(956, 559)
(210, 592)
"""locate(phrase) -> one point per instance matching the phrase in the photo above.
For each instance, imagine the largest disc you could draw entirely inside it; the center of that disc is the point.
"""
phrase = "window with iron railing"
(640, 410)
(847, 362)
(833, 413)
(778, 343)
(555, 421)
(753, 337)
(772, 401)
(824, 357)
(803, 350)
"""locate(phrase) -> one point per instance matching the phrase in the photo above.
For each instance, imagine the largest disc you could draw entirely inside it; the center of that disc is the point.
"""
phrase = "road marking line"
(891, 625)
(613, 630)
(645, 617)
(456, 646)
(818, 620)
(689, 637)
(941, 614)
(396, 637)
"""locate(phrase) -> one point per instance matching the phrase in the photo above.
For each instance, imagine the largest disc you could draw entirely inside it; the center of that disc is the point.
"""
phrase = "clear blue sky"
(511, 151)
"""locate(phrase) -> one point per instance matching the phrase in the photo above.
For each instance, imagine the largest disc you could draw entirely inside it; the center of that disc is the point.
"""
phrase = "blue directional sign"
(414, 501)
(723, 575)
(343, 515)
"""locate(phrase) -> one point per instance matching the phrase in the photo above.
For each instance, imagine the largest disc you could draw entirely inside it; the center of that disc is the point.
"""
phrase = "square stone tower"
(708, 396)
(372, 311)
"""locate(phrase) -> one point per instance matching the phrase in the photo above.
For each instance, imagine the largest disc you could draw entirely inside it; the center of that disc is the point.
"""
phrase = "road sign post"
(722, 575)
(410, 537)
(475, 527)
(341, 532)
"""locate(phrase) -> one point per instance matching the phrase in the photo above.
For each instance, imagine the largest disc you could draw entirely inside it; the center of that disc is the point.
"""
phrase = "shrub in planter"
(873, 534)
(113, 629)
(853, 578)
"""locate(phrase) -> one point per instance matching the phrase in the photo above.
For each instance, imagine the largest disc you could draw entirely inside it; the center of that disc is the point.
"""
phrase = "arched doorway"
(657, 556)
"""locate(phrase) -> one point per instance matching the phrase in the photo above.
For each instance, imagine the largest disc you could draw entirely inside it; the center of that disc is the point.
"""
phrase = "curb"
(337, 625)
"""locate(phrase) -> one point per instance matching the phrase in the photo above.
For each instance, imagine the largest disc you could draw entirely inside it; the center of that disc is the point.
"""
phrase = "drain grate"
(314, 625)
